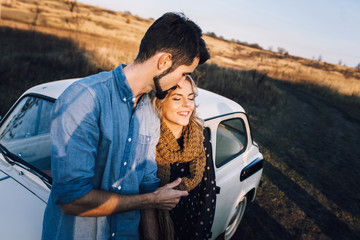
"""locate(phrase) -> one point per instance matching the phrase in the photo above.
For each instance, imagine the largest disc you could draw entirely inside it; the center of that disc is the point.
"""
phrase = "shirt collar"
(122, 85)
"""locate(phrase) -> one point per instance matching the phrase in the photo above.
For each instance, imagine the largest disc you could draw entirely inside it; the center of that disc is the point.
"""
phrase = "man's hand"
(102, 203)
(166, 197)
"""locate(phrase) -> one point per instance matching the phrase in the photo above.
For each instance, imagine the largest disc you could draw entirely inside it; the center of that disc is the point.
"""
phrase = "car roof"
(209, 104)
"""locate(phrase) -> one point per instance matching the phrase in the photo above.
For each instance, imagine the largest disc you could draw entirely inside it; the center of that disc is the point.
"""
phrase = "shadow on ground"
(28, 58)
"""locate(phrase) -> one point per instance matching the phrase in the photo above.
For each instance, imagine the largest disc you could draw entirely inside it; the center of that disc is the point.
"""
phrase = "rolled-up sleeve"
(74, 141)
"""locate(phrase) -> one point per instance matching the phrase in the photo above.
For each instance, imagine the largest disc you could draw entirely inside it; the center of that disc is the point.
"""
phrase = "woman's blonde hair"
(158, 103)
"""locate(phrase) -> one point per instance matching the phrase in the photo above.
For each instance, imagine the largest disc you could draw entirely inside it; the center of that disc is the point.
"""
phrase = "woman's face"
(179, 106)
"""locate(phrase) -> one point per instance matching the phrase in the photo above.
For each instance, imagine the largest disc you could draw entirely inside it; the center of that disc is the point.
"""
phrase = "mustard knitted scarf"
(168, 151)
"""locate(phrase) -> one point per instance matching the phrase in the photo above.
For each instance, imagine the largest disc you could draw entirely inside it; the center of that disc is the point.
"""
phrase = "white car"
(25, 169)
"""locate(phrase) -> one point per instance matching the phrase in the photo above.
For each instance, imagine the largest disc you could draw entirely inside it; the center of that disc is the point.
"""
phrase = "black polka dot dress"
(193, 216)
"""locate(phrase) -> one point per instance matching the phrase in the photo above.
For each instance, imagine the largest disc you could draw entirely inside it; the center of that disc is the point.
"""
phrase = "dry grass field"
(304, 113)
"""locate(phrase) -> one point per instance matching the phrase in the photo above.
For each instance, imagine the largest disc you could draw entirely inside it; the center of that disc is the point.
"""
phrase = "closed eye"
(191, 96)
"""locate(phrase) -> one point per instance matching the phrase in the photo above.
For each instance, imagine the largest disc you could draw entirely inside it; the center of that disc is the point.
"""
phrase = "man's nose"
(181, 82)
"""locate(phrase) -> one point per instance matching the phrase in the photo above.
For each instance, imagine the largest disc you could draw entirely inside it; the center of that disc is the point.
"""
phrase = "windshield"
(26, 132)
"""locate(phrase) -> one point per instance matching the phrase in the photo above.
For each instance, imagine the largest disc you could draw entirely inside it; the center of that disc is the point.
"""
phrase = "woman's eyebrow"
(179, 94)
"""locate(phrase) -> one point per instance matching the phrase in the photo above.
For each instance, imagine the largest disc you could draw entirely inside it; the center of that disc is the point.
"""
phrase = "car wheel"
(237, 215)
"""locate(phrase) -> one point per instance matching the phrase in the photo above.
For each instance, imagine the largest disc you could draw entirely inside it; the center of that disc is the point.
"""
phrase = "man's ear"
(165, 61)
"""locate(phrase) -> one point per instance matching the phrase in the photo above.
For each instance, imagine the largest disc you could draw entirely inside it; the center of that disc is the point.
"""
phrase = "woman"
(182, 152)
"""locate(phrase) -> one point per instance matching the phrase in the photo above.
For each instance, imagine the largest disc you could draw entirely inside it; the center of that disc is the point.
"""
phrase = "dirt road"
(310, 180)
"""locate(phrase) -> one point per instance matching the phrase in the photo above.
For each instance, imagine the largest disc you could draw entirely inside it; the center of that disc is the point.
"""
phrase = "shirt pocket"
(143, 147)
(145, 139)
(145, 155)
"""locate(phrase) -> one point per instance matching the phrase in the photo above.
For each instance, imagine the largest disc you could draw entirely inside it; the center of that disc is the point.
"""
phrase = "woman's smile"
(184, 113)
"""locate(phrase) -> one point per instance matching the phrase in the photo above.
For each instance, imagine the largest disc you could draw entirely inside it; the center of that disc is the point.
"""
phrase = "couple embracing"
(129, 157)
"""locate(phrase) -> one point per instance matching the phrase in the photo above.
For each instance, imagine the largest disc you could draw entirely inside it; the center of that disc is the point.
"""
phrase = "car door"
(230, 136)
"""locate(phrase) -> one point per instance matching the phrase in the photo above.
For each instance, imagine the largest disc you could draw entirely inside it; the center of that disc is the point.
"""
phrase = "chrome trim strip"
(4, 178)
(222, 115)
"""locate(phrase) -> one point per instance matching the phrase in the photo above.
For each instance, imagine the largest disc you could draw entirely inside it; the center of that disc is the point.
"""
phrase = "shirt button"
(124, 99)
(133, 99)
(125, 163)
(119, 188)
(113, 234)
(148, 139)
(129, 139)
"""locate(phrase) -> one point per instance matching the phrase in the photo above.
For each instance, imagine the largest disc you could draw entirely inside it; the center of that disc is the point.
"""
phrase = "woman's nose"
(186, 103)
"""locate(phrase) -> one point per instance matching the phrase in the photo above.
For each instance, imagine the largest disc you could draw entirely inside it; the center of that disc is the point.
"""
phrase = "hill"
(305, 114)
(107, 33)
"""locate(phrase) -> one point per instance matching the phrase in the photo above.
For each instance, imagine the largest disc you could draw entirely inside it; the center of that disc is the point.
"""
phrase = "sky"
(315, 29)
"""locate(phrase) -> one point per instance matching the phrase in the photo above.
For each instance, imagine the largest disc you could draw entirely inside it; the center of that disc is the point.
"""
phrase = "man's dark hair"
(175, 34)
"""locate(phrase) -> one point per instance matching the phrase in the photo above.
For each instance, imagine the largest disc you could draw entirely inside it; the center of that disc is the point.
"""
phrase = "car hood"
(22, 207)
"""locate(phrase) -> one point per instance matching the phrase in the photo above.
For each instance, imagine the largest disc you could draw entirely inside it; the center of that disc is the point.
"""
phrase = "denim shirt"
(100, 142)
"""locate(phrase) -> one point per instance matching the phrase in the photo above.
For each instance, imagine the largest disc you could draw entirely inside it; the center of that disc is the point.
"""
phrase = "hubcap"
(237, 215)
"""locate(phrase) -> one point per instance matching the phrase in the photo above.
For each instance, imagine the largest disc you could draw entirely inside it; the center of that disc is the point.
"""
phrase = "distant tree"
(255, 45)
(320, 58)
(76, 16)
(211, 34)
(281, 50)
(270, 48)
(340, 62)
(358, 67)
(37, 13)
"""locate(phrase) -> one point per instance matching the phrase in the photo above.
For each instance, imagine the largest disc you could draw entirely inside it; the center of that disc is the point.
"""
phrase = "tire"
(238, 214)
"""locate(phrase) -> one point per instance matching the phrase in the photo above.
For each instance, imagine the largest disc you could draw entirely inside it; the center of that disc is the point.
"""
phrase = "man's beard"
(159, 92)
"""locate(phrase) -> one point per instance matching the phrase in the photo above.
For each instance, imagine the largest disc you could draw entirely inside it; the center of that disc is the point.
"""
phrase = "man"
(104, 132)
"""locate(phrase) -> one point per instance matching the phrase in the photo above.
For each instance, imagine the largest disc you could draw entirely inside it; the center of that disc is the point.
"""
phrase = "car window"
(26, 131)
(231, 140)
